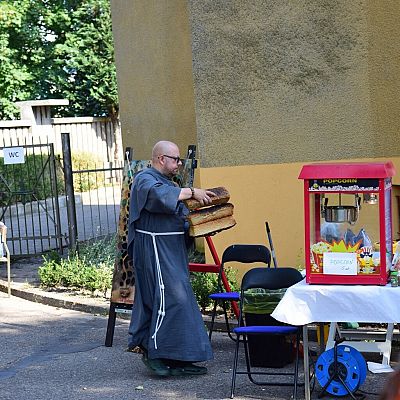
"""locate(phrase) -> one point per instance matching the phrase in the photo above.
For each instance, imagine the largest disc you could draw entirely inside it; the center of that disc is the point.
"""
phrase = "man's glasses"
(177, 159)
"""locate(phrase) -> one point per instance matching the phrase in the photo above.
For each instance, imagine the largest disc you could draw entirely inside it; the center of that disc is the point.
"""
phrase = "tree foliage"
(58, 49)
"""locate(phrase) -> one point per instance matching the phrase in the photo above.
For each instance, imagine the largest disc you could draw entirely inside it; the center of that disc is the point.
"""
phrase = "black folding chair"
(269, 280)
(242, 253)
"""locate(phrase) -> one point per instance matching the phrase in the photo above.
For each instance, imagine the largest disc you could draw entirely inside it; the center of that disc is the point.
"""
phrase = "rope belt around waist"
(161, 309)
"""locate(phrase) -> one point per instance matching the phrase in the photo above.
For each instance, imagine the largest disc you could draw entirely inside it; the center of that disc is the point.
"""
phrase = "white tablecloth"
(304, 303)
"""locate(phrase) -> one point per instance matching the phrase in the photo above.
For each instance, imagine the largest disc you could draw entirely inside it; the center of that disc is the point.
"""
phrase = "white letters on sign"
(13, 155)
(340, 263)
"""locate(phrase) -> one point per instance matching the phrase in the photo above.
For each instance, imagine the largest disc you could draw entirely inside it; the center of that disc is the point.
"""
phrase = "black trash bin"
(272, 352)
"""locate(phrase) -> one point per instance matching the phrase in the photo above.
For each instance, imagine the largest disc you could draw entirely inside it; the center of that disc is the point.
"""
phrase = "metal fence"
(29, 198)
(97, 205)
(48, 207)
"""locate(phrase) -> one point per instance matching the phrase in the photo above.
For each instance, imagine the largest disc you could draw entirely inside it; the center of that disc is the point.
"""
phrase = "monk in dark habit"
(166, 322)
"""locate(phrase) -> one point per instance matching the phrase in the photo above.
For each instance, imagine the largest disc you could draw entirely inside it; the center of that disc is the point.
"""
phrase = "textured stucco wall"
(282, 81)
(154, 72)
(384, 73)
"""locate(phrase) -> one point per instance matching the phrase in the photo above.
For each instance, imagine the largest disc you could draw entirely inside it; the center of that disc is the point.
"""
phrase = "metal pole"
(271, 245)
(192, 155)
(53, 173)
(69, 191)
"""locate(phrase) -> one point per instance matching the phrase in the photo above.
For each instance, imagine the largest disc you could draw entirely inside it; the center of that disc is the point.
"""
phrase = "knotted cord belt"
(161, 309)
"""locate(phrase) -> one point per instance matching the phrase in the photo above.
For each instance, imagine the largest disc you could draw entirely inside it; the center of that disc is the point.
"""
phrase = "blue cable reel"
(351, 367)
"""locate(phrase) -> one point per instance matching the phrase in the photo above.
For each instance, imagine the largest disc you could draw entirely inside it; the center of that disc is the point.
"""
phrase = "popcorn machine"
(348, 222)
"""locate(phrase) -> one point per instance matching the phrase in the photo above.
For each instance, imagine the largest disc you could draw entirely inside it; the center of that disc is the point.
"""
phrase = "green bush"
(203, 285)
(91, 268)
(206, 283)
(86, 181)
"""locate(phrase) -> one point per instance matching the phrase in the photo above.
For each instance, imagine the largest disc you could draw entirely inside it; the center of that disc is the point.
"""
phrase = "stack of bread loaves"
(207, 220)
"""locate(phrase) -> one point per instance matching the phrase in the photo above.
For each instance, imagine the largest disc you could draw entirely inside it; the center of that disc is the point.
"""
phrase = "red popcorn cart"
(348, 222)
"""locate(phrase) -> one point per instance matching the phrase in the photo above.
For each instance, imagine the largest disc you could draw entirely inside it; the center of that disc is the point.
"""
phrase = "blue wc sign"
(13, 155)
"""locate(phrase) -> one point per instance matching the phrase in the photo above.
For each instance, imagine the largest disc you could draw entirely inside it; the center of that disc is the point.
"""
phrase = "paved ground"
(57, 353)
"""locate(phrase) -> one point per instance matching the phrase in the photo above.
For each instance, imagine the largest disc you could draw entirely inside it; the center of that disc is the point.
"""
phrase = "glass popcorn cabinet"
(348, 222)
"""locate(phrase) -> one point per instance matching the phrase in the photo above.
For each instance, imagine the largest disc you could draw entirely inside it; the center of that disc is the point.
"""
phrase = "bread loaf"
(221, 197)
(211, 227)
(203, 215)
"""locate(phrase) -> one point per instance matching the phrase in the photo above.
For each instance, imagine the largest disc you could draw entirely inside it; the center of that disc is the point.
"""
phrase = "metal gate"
(94, 196)
(29, 201)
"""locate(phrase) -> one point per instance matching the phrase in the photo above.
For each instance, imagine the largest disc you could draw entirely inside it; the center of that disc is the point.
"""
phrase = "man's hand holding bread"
(203, 196)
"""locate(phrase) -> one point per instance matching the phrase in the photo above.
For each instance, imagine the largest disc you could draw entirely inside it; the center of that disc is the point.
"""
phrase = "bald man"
(166, 323)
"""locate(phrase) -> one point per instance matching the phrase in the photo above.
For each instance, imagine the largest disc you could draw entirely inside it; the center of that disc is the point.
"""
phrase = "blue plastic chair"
(267, 279)
(242, 253)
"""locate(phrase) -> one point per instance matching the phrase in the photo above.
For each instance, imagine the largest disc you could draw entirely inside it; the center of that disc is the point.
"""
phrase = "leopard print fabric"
(123, 283)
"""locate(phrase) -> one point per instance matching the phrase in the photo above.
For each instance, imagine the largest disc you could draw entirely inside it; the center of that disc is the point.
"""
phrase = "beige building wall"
(154, 73)
(261, 87)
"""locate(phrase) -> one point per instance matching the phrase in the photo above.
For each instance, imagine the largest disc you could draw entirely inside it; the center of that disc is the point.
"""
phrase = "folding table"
(303, 304)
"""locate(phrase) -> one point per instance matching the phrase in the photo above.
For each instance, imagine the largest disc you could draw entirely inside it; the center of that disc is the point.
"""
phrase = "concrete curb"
(87, 308)
(54, 302)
